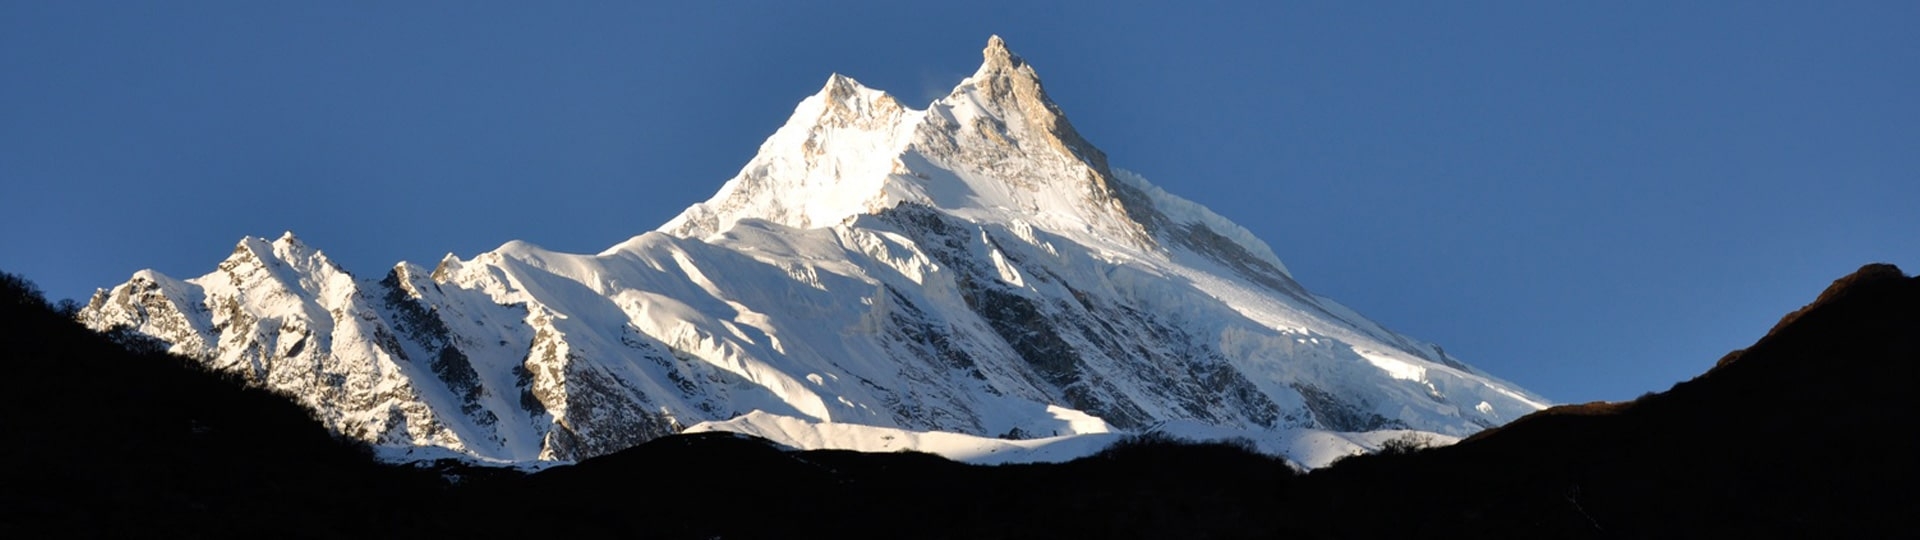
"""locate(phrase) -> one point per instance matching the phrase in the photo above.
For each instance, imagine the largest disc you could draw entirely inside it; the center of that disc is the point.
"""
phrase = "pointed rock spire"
(998, 55)
(1010, 84)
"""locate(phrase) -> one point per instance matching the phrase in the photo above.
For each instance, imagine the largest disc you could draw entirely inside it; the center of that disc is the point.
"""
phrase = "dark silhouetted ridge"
(1807, 433)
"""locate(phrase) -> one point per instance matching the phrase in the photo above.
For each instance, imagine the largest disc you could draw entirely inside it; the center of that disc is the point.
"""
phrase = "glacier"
(973, 274)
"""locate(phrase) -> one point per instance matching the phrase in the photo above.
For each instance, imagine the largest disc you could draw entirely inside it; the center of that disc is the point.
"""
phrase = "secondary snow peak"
(844, 102)
(841, 89)
(830, 161)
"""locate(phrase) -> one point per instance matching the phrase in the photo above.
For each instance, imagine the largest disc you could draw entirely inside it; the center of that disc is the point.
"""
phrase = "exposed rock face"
(960, 268)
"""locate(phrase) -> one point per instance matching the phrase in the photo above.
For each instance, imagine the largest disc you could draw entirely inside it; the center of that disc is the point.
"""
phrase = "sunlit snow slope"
(975, 268)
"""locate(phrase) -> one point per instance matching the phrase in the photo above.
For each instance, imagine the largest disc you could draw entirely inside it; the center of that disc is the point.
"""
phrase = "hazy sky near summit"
(1593, 200)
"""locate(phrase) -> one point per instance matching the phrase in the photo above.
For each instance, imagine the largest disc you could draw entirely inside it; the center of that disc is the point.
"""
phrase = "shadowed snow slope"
(975, 268)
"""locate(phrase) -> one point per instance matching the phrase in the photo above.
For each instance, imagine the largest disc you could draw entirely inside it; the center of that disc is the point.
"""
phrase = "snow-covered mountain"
(975, 267)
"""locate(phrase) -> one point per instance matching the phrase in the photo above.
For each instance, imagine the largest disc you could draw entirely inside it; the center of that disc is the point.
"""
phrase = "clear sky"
(1591, 199)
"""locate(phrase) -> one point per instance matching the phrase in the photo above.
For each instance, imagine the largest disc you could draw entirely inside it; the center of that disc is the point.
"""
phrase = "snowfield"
(1305, 448)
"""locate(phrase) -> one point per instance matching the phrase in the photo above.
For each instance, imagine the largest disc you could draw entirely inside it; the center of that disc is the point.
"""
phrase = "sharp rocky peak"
(1008, 83)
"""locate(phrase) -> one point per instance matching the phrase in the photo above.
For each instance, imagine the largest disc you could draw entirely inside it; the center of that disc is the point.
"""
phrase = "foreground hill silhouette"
(97, 440)
(1808, 433)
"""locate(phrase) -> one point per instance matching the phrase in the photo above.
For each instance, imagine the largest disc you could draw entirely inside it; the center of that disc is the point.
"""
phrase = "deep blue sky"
(1592, 199)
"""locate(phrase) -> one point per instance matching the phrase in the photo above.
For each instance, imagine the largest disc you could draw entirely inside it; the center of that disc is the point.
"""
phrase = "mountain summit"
(996, 146)
(964, 278)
